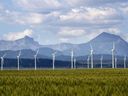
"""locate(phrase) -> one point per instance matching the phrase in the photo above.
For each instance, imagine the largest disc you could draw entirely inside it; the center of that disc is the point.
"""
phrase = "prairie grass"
(87, 82)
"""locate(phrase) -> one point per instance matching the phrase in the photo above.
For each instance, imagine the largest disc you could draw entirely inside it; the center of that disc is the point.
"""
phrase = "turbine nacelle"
(92, 52)
(19, 54)
(113, 50)
(54, 54)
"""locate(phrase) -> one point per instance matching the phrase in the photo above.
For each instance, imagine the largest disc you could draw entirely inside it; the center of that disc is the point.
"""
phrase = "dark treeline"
(47, 63)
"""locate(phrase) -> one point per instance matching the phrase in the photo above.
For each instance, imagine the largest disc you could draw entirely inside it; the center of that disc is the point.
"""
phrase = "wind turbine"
(91, 52)
(72, 58)
(2, 61)
(88, 59)
(53, 60)
(115, 62)
(18, 60)
(125, 58)
(113, 55)
(75, 63)
(35, 57)
(101, 60)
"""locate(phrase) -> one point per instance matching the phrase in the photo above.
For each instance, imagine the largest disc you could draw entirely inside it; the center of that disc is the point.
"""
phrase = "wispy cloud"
(17, 35)
(68, 18)
(91, 16)
(68, 32)
(55, 4)
(30, 5)
(20, 18)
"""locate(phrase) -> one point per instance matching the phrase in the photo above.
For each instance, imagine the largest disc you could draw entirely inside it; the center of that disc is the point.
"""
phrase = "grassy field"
(94, 82)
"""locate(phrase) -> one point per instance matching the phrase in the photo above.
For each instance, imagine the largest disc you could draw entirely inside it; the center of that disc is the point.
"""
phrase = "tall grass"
(96, 82)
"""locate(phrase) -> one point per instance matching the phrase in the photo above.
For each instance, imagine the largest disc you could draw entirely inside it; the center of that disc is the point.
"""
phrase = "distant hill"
(102, 44)
(24, 43)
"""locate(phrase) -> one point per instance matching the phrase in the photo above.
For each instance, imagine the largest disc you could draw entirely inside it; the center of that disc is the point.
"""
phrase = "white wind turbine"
(2, 61)
(88, 59)
(75, 63)
(35, 58)
(72, 58)
(101, 61)
(116, 62)
(113, 55)
(18, 60)
(125, 58)
(91, 52)
(53, 60)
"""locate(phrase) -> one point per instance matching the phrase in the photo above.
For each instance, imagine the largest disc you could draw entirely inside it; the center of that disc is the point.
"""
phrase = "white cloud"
(37, 4)
(57, 4)
(88, 15)
(26, 18)
(64, 40)
(69, 32)
(22, 18)
(79, 16)
(17, 35)
(113, 30)
(95, 2)
(124, 10)
(31, 18)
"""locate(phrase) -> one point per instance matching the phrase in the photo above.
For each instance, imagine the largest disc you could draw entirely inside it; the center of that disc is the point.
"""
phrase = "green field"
(94, 82)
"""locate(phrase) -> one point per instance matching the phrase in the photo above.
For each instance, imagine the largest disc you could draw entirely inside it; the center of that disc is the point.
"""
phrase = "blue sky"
(56, 21)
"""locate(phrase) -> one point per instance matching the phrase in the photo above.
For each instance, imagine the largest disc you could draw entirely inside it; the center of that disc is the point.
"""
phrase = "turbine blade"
(91, 47)
(114, 45)
(37, 52)
(4, 55)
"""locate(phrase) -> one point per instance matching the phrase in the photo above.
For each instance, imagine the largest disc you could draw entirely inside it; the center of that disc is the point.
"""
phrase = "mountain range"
(102, 45)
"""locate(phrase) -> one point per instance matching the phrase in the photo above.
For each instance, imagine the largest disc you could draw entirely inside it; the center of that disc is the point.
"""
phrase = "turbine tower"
(101, 60)
(91, 52)
(75, 63)
(18, 60)
(113, 55)
(53, 60)
(115, 62)
(125, 58)
(88, 59)
(2, 61)
(72, 58)
(35, 57)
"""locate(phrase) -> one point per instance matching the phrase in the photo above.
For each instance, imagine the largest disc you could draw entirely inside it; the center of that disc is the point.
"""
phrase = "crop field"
(86, 82)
